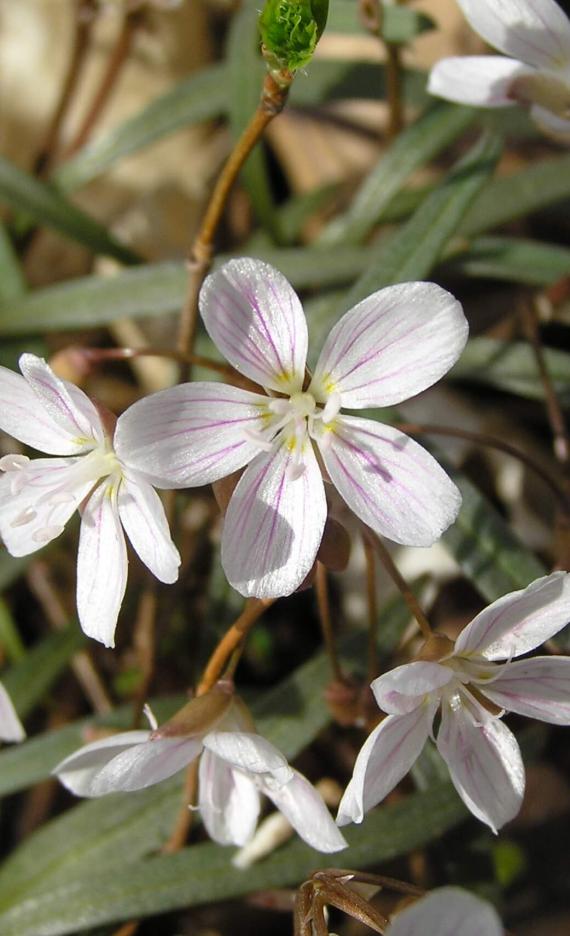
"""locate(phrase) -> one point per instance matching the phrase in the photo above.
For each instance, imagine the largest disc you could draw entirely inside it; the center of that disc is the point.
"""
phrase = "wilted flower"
(37, 498)
(536, 33)
(473, 692)
(391, 346)
(236, 765)
(446, 911)
(10, 726)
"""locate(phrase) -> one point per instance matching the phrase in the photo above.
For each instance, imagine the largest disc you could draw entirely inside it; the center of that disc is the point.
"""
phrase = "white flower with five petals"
(90, 473)
(392, 345)
(536, 34)
(446, 911)
(236, 766)
(472, 689)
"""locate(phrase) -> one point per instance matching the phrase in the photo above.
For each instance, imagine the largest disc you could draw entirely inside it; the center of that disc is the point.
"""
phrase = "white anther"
(150, 716)
(26, 516)
(260, 440)
(46, 534)
(13, 462)
(332, 408)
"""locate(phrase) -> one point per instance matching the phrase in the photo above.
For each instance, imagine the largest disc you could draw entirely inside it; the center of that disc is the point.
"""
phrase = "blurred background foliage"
(97, 217)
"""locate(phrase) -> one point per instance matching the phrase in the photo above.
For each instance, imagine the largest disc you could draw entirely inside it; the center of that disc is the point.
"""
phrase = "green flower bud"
(290, 30)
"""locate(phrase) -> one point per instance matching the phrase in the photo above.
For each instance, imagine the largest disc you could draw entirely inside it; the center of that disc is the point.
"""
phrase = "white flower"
(10, 726)
(448, 911)
(536, 33)
(38, 497)
(391, 346)
(236, 765)
(473, 692)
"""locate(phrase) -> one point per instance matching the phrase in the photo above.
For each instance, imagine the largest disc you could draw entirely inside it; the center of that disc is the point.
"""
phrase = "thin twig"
(232, 639)
(322, 592)
(553, 408)
(273, 97)
(85, 13)
(117, 59)
(127, 354)
(399, 581)
(373, 662)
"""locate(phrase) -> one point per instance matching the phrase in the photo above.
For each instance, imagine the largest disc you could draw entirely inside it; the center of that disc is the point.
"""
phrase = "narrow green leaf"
(400, 24)
(29, 680)
(9, 635)
(414, 147)
(543, 183)
(511, 366)
(203, 873)
(412, 252)
(513, 259)
(46, 206)
(12, 282)
(199, 98)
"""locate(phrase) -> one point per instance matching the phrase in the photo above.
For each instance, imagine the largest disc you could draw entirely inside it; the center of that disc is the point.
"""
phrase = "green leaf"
(203, 873)
(29, 680)
(10, 569)
(511, 366)
(412, 252)
(414, 147)
(46, 206)
(512, 259)
(400, 24)
(12, 282)
(199, 98)
(10, 639)
(541, 184)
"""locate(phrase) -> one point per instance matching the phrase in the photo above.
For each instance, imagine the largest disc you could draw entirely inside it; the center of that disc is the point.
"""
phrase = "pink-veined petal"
(274, 523)
(484, 762)
(142, 515)
(556, 127)
(22, 417)
(305, 810)
(250, 752)
(11, 728)
(192, 434)
(228, 801)
(477, 80)
(534, 31)
(66, 404)
(391, 346)
(77, 771)
(101, 565)
(143, 765)
(448, 911)
(520, 621)
(538, 688)
(254, 316)
(385, 757)
(390, 482)
(402, 689)
(52, 490)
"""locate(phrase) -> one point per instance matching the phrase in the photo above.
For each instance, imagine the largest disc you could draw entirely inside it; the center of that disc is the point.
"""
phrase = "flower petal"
(143, 765)
(534, 31)
(448, 911)
(11, 728)
(478, 80)
(556, 127)
(391, 346)
(250, 752)
(52, 490)
(385, 757)
(66, 404)
(191, 434)
(255, 318)
(22, 417)
(228, 801)
(484, 762)
(538, 688)
(402, 689)
(274, 523)
(142, 515)
(78, 770)
(305, 810)
(101, 565)
(389, 481)
(520, 621)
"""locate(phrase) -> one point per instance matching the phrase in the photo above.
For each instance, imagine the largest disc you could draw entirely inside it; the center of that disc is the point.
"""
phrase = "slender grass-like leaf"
(12, 281)
(516, 259)
(29, 680)
(511, 366)
(399, 24)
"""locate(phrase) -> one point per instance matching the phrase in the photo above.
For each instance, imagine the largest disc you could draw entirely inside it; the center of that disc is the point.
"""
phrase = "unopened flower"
(472, 685)
(10, 726)
(391, 346)
(91, 474)
(236, 765)
(536, 34)
(448, 911)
